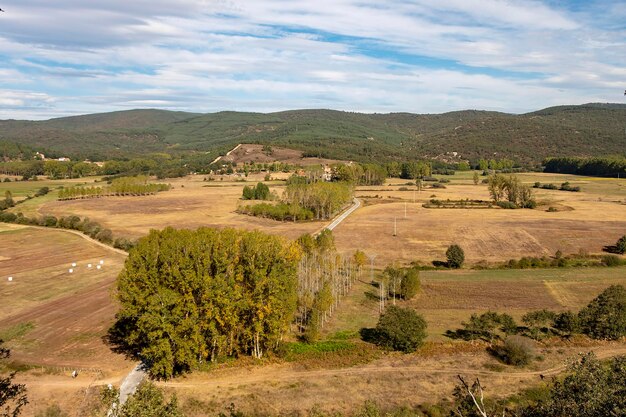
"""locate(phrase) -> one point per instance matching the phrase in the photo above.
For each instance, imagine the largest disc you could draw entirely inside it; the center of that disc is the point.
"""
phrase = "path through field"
(344, 215)
(286, 373)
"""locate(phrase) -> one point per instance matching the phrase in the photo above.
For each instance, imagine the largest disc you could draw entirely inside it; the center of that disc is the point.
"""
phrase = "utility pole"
(395, 226)
(405, 209)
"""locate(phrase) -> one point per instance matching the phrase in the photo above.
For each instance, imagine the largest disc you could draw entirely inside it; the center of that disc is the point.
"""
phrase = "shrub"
(516, 350)
(400, 329)
(438, 185)
(410, 285)
(611, 260)
(8, 217)
(507, 205)
(566, 323)
(620, 245)
(105, 236)
(42, 191)
(123, 244)
(605, 316)
(49, 221)
(455, 256)
(552, 209)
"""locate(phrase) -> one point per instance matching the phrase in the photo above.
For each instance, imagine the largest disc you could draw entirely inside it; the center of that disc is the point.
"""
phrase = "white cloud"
(419, 55)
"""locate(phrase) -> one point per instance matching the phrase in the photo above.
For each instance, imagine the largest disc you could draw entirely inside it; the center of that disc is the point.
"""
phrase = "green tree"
(591, 389)
(149, 401)
(455, 256)
(605, 316)
(620, 245)
(12, 395)
(410, 285)
(190, 296)
(400, 329)
(476, 178)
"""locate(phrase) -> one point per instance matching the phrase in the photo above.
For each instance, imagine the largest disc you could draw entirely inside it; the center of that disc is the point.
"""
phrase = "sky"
(68, 57)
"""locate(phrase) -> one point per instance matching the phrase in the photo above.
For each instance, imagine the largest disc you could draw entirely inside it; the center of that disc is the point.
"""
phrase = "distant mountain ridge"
(593, 129)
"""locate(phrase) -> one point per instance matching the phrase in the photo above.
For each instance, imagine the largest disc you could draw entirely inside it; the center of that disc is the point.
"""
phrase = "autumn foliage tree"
(192, 296)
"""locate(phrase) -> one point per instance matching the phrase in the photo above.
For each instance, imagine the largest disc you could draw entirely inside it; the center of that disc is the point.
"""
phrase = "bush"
(507, 205)
(455, 256)
(400, 329)
(611, 260)
(620, 245)
(410, 285)
(438, 185)
(124, 244)
(516, 350)
(104, 236)
(605, 316)
(49, 221)
(7, 217)
(566, 323)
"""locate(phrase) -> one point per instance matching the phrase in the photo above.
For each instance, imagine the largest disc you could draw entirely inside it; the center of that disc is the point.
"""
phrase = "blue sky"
(76, 56)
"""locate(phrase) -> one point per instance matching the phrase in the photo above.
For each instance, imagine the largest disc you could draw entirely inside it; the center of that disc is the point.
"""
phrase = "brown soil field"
(246, 153)
(192, 203)
(67, 313)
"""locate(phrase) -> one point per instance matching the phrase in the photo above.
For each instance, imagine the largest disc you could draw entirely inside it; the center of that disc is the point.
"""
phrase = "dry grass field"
(586, 221)
(191, 203)
(57, 319)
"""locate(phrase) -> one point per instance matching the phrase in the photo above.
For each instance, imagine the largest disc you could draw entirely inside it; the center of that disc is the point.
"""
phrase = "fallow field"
(56, 320)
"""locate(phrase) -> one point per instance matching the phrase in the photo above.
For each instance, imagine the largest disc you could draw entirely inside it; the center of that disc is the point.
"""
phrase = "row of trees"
(324, 277)
(603, 318)
(600, 167)
(125, 186)
(360, 174)
(510, 191)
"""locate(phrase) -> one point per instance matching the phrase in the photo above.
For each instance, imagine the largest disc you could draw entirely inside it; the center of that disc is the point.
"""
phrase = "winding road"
(356, 203)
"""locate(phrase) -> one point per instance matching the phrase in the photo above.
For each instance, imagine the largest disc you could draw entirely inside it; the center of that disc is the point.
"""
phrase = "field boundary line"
(84, 236)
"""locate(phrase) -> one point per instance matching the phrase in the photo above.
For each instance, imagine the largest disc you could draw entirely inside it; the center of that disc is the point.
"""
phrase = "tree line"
(599, 167)
(125, 186)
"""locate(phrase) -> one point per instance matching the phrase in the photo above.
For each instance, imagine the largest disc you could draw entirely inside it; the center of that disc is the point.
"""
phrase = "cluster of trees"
(400, 283)
(69, 169)
(258, 192)
(324, 277)
(360, 174)
(509, 192)
(324, 199)
(603, 318)
(192, 296)
(279, 211)
(566, 186)
(495, 164)
(124, 186)
(304, 200)
(600, 167)
(13, 150)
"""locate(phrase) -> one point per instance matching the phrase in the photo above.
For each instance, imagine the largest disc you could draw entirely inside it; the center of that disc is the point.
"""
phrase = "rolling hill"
(584, 130)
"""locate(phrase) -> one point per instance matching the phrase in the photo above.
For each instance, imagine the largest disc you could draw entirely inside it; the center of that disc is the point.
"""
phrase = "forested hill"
(585, 130)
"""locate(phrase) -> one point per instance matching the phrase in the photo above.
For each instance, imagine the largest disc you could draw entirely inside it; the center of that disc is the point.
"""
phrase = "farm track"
(285, 374)
(84, 236)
